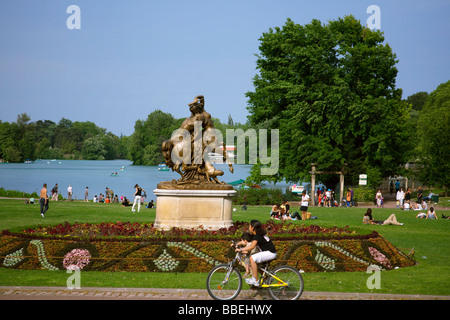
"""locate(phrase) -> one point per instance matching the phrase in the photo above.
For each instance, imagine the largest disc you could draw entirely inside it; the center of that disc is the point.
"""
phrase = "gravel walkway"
(63, 293)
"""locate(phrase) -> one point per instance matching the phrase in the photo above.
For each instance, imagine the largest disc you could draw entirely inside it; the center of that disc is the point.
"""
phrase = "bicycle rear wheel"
(224, 282)
(292, 277)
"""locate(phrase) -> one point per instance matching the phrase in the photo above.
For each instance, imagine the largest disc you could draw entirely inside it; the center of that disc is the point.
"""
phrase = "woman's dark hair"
(369, 213)
(258, 227)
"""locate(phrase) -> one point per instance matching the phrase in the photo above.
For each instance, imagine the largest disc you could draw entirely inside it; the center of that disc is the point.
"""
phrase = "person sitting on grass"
(125, 202)
(275, 213)
(431, 214)
(417, 206)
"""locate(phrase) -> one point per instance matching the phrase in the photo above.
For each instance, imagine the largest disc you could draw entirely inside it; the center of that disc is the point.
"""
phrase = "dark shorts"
(303, 208)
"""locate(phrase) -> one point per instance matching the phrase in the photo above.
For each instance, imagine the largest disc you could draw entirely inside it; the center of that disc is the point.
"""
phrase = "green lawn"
(429, 238)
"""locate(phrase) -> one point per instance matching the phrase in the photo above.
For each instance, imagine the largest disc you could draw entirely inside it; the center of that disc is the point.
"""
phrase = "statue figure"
(183, 153)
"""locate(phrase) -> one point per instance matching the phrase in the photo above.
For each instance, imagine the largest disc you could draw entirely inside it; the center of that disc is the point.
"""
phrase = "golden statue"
(184, 152)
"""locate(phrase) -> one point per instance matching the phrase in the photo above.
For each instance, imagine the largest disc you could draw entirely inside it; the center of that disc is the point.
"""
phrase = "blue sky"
(132, 57)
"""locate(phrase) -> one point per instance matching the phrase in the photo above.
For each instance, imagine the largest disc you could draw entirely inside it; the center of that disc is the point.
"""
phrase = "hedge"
(264, 196)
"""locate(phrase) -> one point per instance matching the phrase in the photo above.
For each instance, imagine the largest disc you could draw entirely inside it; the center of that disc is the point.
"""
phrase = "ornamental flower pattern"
(325, 262)
(13, 258)
(139, 247)
(165, 262)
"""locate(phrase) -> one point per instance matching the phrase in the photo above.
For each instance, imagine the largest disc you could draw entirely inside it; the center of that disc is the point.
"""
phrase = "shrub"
(364, 194)
(263, 196)
(17, 194)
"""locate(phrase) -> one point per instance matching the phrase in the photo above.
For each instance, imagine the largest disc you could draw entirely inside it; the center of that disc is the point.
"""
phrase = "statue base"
(186, 209)
(197, 185)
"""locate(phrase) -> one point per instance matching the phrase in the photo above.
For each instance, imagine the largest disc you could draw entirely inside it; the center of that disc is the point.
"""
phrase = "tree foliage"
(148, 136)
(330, 90)
(434, 138)
(44, 139)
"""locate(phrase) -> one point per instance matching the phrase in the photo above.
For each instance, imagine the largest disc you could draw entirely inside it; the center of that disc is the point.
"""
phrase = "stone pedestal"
(187, 209)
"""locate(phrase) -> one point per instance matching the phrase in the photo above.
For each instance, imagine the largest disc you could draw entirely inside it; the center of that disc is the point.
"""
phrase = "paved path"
(63, 293)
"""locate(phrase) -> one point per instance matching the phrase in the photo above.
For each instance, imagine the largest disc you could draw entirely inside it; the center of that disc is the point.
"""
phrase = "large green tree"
(330, 90)
(433, 132)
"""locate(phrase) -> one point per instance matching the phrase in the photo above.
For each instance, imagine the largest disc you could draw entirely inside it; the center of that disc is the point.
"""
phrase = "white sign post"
(363, 179)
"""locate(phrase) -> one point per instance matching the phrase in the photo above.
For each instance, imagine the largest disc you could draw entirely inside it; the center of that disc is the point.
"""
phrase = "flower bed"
(124, 246)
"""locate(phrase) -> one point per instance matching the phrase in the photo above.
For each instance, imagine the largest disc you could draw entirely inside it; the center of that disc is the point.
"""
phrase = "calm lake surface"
(96, 175)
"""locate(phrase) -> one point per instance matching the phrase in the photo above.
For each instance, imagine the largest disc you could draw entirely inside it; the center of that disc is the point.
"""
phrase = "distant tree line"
(45, 139)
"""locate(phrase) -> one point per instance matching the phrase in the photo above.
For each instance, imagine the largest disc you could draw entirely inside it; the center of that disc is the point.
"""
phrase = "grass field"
(429, 238)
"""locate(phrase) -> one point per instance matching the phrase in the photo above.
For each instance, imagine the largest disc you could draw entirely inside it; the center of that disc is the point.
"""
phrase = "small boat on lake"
(162, 167)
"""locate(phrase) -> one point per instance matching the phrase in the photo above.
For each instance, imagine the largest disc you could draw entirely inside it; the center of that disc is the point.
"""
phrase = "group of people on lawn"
(282, 211)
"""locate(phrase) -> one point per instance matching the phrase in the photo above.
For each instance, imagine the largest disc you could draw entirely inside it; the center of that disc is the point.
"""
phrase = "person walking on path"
(397, 186)
(43, 201)
(352, 195)
(408, 195)
(400, 197)
(379, 199)
(420, 195)
(137, 198)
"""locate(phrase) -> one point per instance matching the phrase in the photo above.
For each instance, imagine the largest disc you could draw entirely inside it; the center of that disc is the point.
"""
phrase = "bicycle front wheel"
(291, 286)
(224, 282)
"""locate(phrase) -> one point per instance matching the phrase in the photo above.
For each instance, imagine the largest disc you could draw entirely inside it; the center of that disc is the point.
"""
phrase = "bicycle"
(224, 281)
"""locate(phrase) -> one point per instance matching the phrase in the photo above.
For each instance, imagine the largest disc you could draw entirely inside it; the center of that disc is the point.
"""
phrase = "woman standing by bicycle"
(268, 251)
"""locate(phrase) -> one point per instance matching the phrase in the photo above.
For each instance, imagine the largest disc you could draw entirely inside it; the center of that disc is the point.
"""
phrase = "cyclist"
(268, 251)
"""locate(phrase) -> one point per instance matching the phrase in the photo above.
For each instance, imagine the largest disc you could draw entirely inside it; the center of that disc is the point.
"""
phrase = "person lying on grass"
(367, 219)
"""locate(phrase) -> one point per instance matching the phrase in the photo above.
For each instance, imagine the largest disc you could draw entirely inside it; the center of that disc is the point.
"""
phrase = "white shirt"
(305, 199)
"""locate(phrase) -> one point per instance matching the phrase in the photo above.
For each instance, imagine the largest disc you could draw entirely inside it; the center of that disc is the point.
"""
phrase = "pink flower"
(379, 257)
(76, 259)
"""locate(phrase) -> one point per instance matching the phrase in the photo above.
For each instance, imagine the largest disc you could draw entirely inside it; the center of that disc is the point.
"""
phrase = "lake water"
(96, 175)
